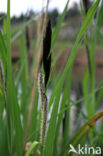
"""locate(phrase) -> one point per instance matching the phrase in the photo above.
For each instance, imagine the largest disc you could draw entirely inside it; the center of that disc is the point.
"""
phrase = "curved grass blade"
(83, 130)
(66, 94)
(31, 148)
(48, 149)
(88, 18)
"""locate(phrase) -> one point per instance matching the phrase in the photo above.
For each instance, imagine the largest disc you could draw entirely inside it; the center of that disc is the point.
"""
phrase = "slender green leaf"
(3, 52)
(77, 138)
(90, 15)
(52, 126)
(31, 148)
(12, 107)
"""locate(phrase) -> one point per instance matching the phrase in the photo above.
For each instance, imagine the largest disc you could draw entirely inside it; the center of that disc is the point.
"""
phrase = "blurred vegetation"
(53, 15)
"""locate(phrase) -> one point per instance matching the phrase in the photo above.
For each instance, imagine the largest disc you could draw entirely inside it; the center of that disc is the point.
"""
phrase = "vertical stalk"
(44, 105)
(36, 70)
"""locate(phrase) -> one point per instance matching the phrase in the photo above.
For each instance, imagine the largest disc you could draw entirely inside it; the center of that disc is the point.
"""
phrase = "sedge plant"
(26, 129)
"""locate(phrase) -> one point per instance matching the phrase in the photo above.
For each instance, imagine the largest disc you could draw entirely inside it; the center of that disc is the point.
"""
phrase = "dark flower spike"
(46, 52)
(86, 5)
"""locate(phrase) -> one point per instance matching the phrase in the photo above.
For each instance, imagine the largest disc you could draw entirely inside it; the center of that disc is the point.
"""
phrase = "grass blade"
(52, 126)
(31, 148)
(13, 113)
(89, 16)
(83, 130)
